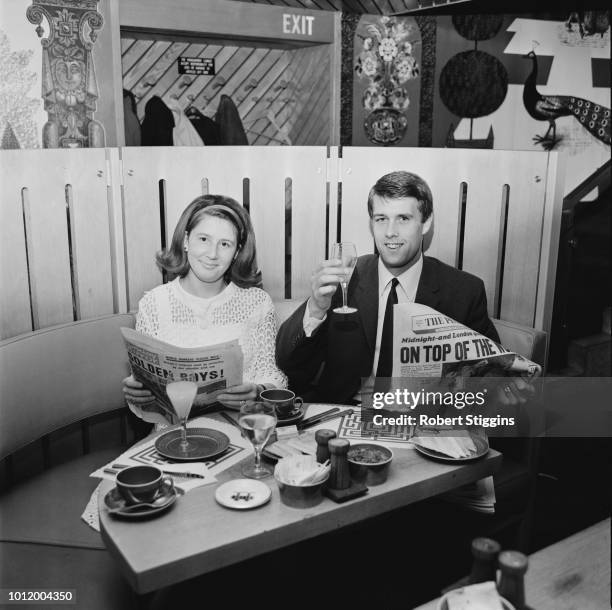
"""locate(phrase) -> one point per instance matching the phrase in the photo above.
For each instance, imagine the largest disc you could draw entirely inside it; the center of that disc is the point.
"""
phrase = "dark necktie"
(385, 357)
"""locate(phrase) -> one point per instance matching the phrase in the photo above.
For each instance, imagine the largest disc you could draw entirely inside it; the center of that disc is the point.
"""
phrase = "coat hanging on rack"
(184, 133)
(205, 126)
(158, 123)
(230, 125)
(131, 124)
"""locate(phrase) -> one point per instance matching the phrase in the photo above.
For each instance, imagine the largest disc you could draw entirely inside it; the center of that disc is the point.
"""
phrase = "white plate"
(243, 494)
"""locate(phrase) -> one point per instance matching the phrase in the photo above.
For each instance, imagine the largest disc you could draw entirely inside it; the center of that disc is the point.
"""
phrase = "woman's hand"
(236, 396)
(134, 392)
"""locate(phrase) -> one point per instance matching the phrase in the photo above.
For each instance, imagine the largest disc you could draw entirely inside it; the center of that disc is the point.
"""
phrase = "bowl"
(442, 605)
(301, 496)
(369, 463)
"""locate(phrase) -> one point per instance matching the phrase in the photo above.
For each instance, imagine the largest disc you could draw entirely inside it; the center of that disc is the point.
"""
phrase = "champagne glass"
(347, 253)
(257, 420)
(182, 395)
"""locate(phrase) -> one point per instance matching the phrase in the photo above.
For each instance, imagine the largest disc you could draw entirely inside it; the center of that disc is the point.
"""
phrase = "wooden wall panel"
(14, 297)
(44, 174)
(91, 232)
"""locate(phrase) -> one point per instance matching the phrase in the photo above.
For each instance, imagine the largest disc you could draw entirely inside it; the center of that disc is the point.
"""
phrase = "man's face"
(398, 229)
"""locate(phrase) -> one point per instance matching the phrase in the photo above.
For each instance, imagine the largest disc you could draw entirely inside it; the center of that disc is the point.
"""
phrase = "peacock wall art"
(595, 118)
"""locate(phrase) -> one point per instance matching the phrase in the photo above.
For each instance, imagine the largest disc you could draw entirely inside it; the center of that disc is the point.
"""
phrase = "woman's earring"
(186, 248)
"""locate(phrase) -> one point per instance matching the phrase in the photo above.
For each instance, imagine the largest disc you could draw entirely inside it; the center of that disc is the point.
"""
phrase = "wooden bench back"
(60, 375)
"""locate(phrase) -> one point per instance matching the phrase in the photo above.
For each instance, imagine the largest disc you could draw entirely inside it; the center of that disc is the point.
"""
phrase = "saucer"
(114, 500)
(294, 417)
(243, 494)
(206, 444)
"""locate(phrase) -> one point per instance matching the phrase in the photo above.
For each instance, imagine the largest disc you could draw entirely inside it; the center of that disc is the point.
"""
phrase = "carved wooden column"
(69, 87)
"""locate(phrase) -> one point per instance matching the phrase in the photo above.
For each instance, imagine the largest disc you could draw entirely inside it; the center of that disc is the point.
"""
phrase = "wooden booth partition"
(496, 214)
(279, 65)
(56, 241)
(80, 228)
(283, 189)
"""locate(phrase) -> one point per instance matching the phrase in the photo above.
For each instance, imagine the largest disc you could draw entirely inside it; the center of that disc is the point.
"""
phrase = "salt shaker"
(323, 437)
(513, 566)
(485, 552)
(339, 476)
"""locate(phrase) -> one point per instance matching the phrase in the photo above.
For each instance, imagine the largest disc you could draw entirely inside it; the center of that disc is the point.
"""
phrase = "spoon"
(157, 503)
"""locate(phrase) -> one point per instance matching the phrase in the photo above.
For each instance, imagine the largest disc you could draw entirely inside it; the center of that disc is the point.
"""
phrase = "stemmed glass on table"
(257, 420)
(347, 253)
(182, 395)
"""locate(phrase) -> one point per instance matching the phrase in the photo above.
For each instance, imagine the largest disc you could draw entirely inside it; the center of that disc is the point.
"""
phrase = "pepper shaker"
(513, 566)
(323, 437)
(485, 552)
(339, 476)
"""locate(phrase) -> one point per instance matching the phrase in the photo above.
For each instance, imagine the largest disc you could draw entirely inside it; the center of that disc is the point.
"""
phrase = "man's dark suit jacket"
(346, 343)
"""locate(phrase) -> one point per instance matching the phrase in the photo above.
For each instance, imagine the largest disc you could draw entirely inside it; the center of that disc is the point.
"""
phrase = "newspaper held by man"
(429, 344)
(155, 363)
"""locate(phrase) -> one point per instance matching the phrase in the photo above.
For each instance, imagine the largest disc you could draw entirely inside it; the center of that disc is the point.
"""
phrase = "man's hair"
(397, 185)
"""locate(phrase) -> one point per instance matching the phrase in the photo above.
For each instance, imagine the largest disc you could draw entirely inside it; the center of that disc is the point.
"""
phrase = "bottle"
(339, 476)
(323, 437)
(485, 552)
(513, 566)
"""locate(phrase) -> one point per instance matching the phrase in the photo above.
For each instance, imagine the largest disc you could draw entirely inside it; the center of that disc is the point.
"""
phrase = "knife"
(322, 417)
(191, 475)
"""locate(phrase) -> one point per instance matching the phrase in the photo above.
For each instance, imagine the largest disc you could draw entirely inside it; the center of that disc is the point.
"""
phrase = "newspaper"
(427, 343)
(155, 363)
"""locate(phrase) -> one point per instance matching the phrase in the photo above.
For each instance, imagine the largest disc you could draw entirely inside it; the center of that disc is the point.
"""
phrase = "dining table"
(572, 574)
(197, 535)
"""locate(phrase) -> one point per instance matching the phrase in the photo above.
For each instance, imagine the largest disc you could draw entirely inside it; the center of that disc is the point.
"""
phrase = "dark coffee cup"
(139, 484)
(283, 401)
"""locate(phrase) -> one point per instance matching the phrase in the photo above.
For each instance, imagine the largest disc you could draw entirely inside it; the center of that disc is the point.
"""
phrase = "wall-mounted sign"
(297, 24)
(200, 66)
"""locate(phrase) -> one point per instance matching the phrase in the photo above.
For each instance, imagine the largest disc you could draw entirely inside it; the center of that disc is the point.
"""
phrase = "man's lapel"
(428, 288)
(366, 299)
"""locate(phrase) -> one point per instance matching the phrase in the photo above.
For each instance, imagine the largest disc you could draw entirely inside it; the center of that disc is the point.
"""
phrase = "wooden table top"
(572, 574)
(197, 535)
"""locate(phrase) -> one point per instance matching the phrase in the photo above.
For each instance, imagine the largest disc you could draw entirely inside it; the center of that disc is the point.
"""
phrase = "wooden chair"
(63, 415)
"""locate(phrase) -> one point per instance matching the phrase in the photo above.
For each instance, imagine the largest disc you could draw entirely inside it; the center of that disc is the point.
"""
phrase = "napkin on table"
(460, 445)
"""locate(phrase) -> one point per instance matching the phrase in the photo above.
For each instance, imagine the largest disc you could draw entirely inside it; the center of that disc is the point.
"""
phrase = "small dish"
(294, 417)
(208, 443)
(115, 502)
(482, 448)
(369, 463)
(243, 494)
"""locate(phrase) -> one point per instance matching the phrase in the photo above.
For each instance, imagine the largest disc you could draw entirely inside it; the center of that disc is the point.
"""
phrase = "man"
(348, 347)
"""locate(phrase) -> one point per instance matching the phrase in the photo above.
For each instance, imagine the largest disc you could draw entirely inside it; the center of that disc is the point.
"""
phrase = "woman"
(213, 296)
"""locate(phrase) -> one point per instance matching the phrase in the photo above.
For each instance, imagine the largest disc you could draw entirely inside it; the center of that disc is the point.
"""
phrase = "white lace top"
(171, 314)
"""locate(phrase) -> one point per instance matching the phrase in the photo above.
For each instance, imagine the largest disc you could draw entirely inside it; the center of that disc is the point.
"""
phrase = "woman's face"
(211, 247)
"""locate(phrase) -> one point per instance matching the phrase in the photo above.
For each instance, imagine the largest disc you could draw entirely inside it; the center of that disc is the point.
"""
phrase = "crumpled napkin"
(459, 445)
(301, 470)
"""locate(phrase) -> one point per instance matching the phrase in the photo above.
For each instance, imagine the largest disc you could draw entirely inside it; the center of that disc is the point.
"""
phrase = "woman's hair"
(243, 270)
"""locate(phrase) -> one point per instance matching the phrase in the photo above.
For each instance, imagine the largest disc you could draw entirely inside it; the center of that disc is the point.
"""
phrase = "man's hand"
(323, 284)
(236, 396)
(514, 391)
(134, 392)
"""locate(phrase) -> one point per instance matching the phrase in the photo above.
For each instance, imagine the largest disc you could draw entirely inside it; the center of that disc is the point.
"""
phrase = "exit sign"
(200, 66)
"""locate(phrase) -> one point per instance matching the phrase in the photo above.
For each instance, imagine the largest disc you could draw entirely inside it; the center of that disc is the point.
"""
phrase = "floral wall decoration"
(68, 30)
(387, 66)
